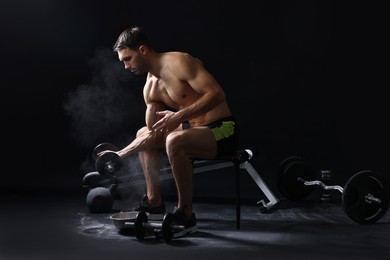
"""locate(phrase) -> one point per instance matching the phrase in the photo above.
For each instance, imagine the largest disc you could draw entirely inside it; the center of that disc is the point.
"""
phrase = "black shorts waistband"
(219, 122)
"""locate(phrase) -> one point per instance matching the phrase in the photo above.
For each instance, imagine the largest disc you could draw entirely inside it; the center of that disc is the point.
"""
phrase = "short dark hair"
(131, 38)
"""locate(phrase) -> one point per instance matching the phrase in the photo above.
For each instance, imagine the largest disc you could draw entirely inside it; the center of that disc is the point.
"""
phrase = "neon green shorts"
(226, 133)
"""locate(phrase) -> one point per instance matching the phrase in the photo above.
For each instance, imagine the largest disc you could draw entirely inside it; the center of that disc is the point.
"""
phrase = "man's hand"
(106, 151)
(167, 123)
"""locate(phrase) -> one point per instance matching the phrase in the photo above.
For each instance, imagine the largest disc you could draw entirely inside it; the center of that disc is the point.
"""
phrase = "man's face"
(132, 60)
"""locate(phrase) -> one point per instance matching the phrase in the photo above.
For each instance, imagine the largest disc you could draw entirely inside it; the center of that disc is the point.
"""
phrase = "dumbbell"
(141, 224)
(102, 147)
(108, 162)
(365, 197)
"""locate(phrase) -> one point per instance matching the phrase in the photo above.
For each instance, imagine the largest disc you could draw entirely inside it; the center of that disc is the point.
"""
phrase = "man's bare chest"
(172, 93)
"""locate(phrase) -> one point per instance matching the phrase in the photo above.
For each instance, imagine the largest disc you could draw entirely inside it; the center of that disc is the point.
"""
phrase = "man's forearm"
(201, 106)
(142, 142)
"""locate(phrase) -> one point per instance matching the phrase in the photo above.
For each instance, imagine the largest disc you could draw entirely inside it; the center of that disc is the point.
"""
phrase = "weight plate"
(280, 173)
(290, 159)
(139, 225)
(365, 197)
(166, 228)
(108, 163)
(288, 183)
(103, 147)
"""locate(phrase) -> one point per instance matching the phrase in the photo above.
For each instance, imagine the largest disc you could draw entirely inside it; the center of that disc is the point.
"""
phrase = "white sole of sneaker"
(181, 233)
(185, 232)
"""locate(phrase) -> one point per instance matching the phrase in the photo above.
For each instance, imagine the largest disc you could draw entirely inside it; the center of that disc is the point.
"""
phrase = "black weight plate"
(108, 163)
(103, 147)
(139, 225)
(356, 202)
(281, 169)
(288, 182)
(166, 228)
(294, 158)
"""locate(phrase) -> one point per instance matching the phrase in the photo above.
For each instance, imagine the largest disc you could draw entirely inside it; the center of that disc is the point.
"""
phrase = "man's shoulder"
(178, 55)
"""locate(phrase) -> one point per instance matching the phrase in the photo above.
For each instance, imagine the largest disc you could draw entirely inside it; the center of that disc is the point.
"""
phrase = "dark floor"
(45, 227)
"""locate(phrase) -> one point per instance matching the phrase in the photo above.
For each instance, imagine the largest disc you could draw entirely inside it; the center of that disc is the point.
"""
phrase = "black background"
(303, 77)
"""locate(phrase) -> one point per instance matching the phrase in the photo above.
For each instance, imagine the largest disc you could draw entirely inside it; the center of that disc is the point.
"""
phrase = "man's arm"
(148, 138)
(191, 70)
(211, 95)
(202, 82)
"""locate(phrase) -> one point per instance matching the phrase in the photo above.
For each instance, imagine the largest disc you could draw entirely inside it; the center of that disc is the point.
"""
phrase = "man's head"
(132, 47)
(131, 38)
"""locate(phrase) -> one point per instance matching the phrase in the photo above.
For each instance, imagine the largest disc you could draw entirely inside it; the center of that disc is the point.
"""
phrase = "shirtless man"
(186, 114)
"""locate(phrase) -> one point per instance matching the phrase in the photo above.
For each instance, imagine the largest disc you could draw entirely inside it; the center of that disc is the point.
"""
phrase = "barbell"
(365, 196)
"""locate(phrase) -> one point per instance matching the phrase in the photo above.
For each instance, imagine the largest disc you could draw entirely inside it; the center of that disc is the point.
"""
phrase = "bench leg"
(238, 196)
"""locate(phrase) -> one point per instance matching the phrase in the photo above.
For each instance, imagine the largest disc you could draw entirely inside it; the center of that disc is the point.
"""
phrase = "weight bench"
(240, 161)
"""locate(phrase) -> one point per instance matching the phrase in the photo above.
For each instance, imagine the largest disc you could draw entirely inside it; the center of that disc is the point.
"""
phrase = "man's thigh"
(199, 143)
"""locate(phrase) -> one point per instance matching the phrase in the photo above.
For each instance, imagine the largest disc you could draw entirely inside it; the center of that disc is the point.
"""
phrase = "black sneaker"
(188, 223)
(145, 206)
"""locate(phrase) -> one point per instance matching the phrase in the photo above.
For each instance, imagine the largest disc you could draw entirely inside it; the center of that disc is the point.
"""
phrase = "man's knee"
(174, 143)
